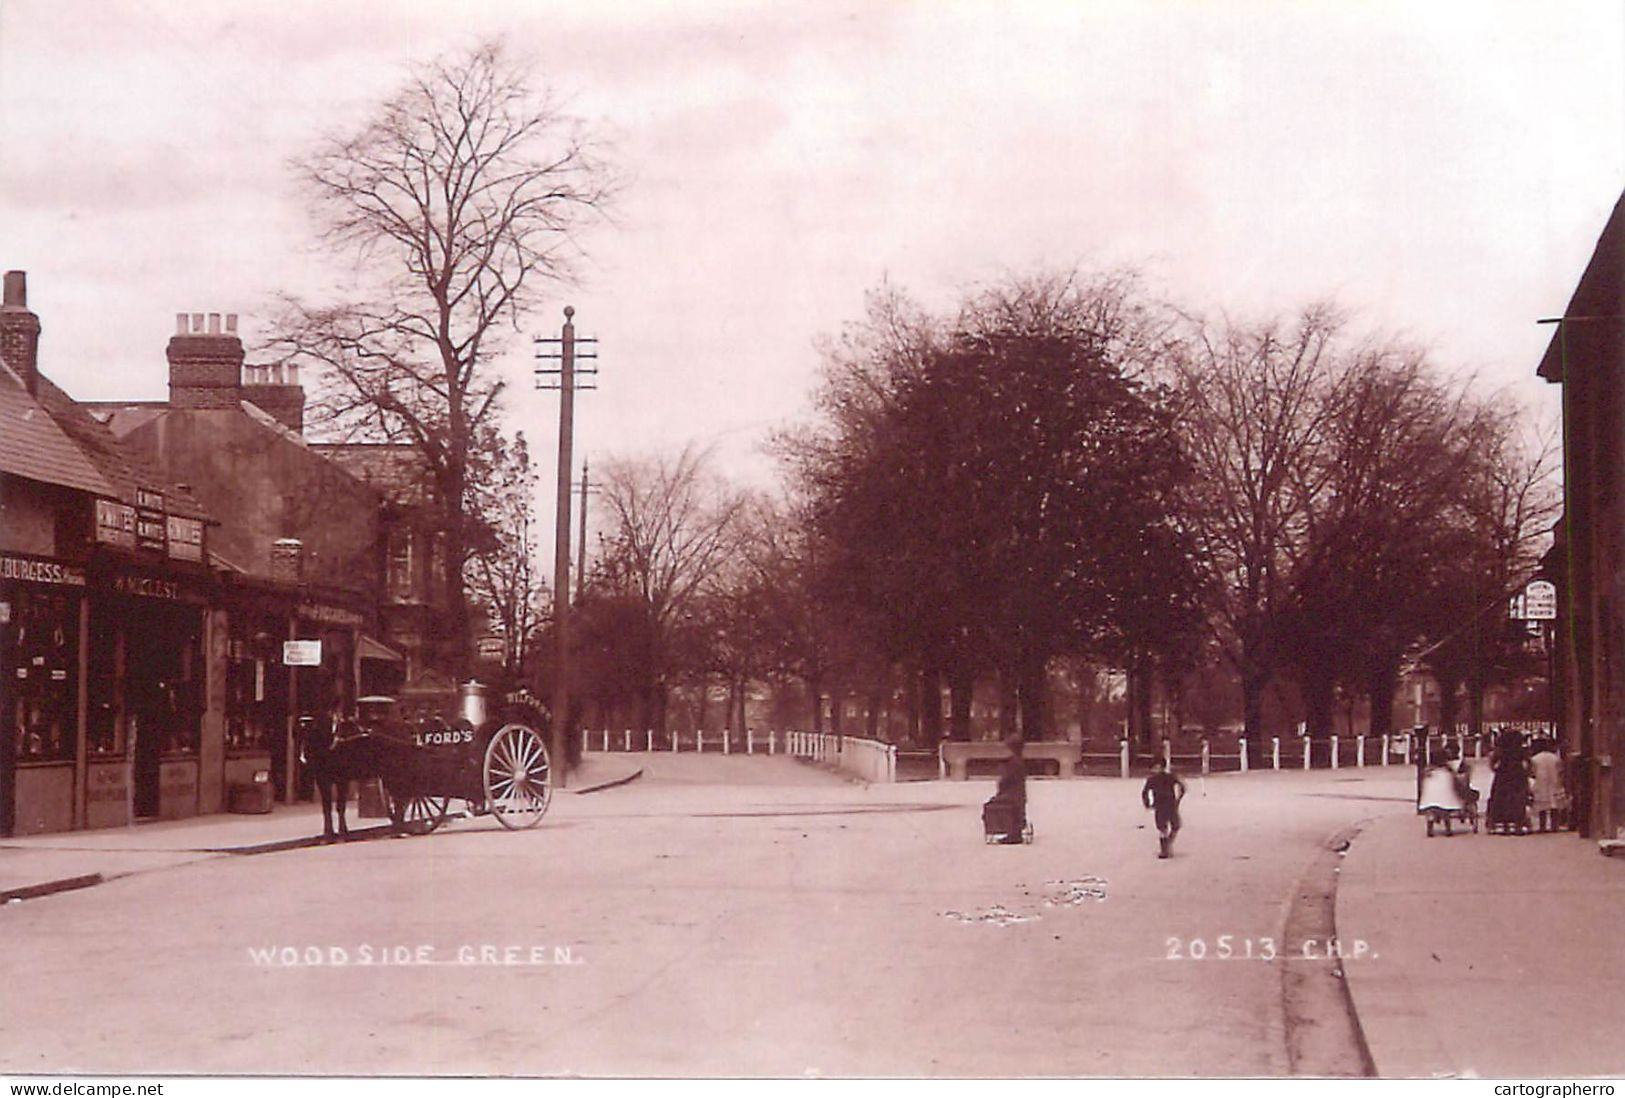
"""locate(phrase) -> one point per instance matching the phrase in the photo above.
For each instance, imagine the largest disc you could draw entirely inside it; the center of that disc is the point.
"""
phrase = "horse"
(334, 752)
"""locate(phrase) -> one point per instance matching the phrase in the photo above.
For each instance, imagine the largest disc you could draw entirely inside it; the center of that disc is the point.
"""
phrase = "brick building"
(1587, 358)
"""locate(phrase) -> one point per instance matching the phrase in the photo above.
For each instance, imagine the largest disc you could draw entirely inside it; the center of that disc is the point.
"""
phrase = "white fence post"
(1275, 751)
(1306, 752)
(772, 741)
(727, 740)
(750, 741)
(699, 740)
(649, 739)
(1206, 758)
(606, 739)
(1359, 752)
(1242, 743)
(891, 762)
(674, 742)
(1334, 752)
(626, 739)
(1122, 753)
(1167, 753)
(584, 747)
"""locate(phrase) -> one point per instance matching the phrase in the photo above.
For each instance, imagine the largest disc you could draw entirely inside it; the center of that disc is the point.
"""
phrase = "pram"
(1002, 823)
(1445, 795)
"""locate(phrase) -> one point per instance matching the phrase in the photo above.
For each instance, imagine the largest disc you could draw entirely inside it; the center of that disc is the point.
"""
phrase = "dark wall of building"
(261, 485)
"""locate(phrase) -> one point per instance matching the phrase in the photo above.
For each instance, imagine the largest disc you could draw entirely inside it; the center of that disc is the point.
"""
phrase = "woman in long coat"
(1509, 794)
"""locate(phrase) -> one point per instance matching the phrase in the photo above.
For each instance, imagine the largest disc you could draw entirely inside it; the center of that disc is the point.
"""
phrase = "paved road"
(788, 923)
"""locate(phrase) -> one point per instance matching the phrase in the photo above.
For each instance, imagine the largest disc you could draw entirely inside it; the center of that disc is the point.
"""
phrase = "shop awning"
(377, 650)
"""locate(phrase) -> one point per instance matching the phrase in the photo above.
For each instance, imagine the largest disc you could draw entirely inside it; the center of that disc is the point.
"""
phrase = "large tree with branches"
(461, 201)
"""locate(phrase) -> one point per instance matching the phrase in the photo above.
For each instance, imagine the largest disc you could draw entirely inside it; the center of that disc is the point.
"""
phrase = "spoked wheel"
(518, 777)
(417, 814)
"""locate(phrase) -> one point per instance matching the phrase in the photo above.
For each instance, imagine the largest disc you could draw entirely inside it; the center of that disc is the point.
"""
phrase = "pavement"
(1493, 956)
(39, 865)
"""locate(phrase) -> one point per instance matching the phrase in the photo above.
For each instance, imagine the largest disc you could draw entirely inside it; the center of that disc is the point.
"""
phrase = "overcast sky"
(1441, 169)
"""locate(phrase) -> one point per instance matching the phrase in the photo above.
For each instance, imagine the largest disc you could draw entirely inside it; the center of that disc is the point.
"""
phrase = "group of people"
(1162, 792)
(1528, 787)
(1527, 791)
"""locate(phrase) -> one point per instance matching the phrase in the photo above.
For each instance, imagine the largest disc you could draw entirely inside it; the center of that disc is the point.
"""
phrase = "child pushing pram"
(1446, 795)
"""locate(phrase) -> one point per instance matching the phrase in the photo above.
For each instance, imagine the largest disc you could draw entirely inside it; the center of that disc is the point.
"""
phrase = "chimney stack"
(19, 331)
(275, 389)
(205, 364)
(288, 560)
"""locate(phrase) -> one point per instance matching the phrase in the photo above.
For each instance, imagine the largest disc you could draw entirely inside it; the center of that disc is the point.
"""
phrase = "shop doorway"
(163, 673)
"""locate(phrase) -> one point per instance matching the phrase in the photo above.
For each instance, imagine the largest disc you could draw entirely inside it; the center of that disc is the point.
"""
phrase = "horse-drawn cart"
(426, 754)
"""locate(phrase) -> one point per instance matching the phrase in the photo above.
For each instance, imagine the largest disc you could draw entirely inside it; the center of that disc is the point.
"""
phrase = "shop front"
(42, 626)
(150, 658)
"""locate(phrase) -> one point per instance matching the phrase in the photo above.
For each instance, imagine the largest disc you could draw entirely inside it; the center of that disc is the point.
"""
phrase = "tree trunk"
(1007, 703)
(1033, 697)
(961, 692)
(1449, 705)
(931, 706)
(1381, 687)
(815, 690)
(1319, 690)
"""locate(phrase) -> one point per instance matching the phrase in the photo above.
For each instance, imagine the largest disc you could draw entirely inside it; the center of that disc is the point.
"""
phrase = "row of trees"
(1059, 472)
(1063, 475)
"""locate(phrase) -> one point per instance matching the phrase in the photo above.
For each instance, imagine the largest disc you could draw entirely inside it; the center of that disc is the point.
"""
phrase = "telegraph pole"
(581, 541)
(562, 350)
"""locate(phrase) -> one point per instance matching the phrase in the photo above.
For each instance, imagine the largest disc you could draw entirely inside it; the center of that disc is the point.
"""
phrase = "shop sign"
(330, 615)
(302, 653)
(185, 538)
(150, 529)
(115, 523)
(38, 570)
(147, 587)
(1540, 601)
(492, 648)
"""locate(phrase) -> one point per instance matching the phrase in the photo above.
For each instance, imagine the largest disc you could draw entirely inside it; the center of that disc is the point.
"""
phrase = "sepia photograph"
(962, 542)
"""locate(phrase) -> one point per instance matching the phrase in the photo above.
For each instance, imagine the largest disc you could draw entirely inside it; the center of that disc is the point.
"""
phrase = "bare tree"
(672, 525)
(500, 576)
(1255, 402)
(460, 200)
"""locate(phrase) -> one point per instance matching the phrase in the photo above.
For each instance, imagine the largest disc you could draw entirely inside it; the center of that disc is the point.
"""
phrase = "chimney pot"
(16, 292)
(231, 323)
(180, 324)
(197, 323)
(214, 324)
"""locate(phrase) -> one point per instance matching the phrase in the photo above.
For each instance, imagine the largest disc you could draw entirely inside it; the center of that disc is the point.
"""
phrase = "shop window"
(256, 686)
(41, 669)
(104, 730)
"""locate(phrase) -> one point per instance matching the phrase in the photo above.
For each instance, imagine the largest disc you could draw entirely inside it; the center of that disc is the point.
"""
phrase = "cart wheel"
(416, 814)
(518, 777)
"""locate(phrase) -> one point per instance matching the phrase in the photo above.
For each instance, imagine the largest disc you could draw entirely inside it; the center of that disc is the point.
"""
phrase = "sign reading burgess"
(40, 570)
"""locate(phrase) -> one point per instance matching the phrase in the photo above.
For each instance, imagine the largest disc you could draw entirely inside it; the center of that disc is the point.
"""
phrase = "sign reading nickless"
(31, 570)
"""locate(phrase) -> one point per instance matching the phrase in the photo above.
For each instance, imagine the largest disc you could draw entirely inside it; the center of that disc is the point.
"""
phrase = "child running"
(1163, 791)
